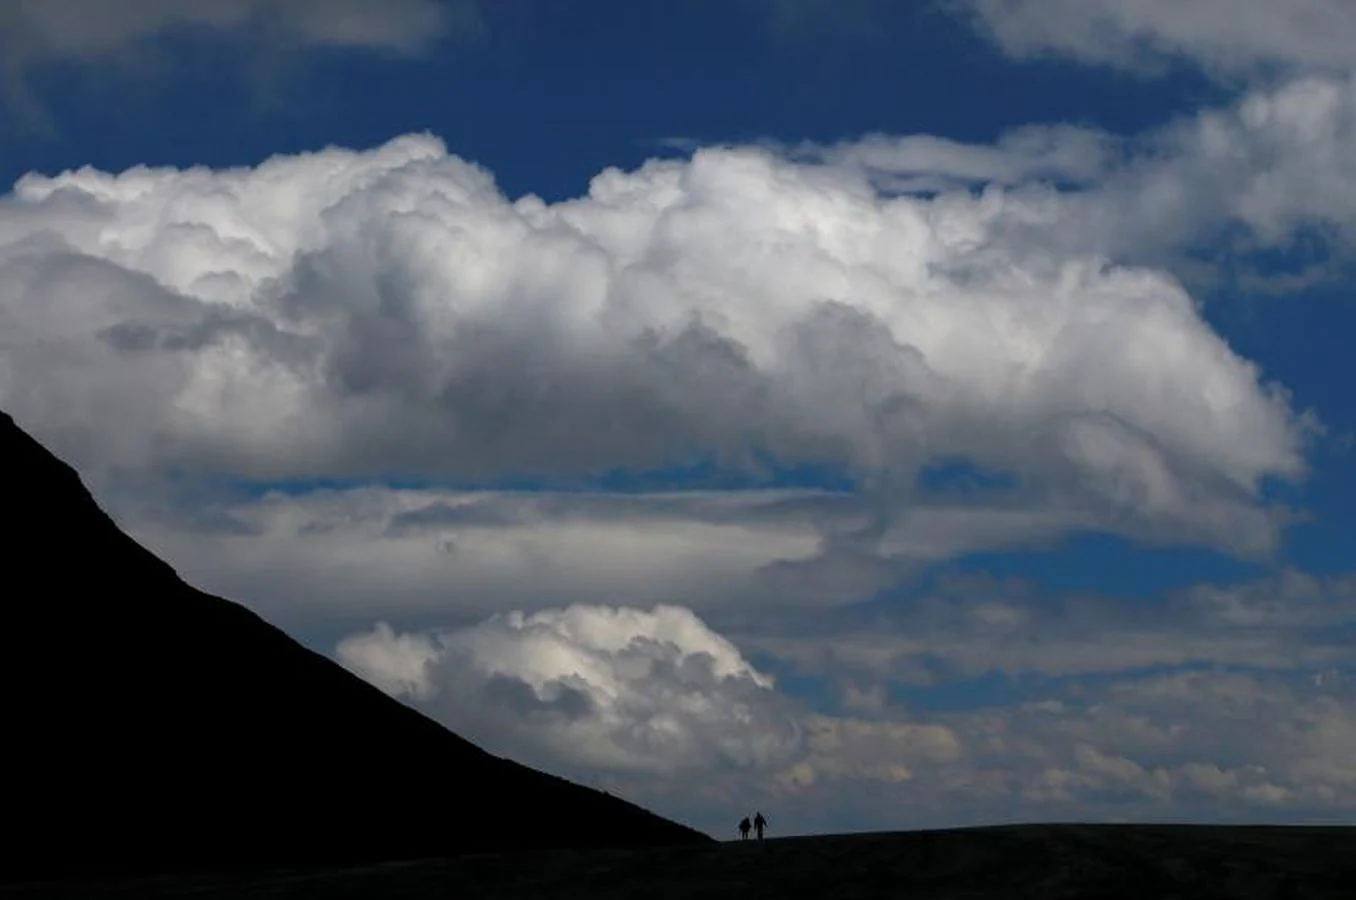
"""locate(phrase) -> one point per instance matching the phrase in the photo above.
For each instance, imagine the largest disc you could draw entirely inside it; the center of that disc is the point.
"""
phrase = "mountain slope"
(152, 727)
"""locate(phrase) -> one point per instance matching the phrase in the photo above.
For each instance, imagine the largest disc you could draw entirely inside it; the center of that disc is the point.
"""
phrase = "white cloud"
(389, 312)
(1269, 170)
(1225, 37)
(398, 664)
(1273, 162)
(591, 687)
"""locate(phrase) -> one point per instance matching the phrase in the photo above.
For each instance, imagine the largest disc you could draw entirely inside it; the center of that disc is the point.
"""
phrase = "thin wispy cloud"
(1226, 39)
(82, 35)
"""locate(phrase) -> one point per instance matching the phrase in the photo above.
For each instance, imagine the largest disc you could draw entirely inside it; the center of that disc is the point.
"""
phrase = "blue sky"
(982, 595)
(547, 97)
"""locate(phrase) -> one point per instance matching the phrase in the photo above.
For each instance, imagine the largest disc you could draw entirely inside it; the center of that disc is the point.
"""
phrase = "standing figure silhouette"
(759, 823)
(744, 828)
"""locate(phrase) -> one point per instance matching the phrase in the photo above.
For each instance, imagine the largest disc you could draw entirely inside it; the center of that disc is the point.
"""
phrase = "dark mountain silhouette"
(151, 727)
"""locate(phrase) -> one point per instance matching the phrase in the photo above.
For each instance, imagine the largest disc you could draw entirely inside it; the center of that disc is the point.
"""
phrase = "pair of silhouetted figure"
(759, 823)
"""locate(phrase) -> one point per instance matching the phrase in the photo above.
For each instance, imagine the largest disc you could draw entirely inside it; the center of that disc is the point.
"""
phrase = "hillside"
(152, 727)
(1029, 862)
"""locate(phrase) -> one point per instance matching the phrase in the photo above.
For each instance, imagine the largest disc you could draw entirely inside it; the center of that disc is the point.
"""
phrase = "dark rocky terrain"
(1040, 862)
(151, 727)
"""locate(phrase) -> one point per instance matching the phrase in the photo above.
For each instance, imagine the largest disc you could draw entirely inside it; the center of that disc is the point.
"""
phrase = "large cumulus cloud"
(389, 312)
(589, 688)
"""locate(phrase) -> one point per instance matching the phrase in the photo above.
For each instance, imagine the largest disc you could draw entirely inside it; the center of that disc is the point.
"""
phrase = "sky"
(881, 415)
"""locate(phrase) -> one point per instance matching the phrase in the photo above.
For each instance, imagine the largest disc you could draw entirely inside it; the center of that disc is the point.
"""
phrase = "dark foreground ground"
(1050, 862)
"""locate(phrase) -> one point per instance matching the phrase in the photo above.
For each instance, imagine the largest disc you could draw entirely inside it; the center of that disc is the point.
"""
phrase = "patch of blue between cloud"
(992, 689)
(973, 186)
(812, 690)
(1323, 547)
(954, 475)
(704, 474)
(1094, 562)
(1234, 263)
(946, 477)
(1299, 336)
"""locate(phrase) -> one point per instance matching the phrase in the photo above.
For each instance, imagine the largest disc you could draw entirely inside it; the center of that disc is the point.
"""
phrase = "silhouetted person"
(744, 828)
(759, 823)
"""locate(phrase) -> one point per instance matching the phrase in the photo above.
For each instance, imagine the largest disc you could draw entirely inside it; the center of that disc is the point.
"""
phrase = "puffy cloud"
(591, 687)
(396, 663)
(1225, 37)
(388, 312)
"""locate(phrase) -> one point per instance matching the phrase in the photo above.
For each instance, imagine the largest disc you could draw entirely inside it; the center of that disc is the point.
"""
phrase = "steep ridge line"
(152, 727)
